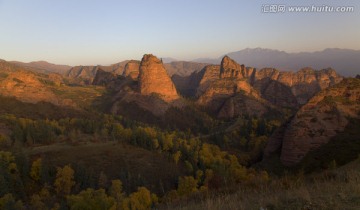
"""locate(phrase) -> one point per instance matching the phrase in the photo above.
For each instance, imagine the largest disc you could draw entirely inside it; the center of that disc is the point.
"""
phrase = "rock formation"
(131, 70)
(226, 91)
(207, 76)
(153, 79)
(325, 115)
(103, 78)
(86, 74)
(216, 84)
(302, 84)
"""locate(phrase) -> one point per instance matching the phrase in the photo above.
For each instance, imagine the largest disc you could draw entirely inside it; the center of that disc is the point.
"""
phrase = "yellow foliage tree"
(116, 191)
(91, 199)
(36, 169)
(187, 185)
(140, 200)
(64, 180)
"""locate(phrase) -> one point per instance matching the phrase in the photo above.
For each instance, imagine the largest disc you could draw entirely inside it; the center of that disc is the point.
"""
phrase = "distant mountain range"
(345, 61)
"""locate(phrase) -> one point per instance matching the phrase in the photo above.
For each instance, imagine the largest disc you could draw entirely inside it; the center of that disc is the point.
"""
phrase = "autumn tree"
(187, 185)
(176, 157)
(140, 200)
(116, 191)
(35, 171)
(91, 199)
(64, 180)
(8, 202)
(42, 200)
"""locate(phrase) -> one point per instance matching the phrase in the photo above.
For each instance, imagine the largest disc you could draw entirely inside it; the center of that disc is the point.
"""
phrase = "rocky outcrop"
(86, 74)
(302, 84)
(357, 77)
(230, 69)
(241, 104)
(323, 117)
(104, 78)
(153, 79)
(276, 93)
(283, 89)
(226, 91)
(206, 77)
(131, 70)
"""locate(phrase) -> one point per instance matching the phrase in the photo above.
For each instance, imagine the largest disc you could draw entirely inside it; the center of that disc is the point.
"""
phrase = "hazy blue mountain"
(168, 59)
(346, 62)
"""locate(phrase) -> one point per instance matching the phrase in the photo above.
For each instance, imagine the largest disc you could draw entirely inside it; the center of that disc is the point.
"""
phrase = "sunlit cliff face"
(154, 79)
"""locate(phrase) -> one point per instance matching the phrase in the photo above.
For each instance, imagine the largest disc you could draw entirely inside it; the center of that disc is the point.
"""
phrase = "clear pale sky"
(93, 32)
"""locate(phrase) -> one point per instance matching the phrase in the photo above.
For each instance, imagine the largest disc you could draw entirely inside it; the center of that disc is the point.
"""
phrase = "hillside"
(28, 86)
(43, 67)
(325, 116)
(331, 189)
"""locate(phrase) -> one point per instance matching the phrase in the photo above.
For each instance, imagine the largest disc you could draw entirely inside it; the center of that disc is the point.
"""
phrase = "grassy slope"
(41, 110)
(332, 189)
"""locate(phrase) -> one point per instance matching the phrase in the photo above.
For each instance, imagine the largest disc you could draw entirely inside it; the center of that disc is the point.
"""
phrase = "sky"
(91, 32)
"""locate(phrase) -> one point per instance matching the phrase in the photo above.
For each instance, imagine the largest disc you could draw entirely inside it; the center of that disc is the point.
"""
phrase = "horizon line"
(184, 60)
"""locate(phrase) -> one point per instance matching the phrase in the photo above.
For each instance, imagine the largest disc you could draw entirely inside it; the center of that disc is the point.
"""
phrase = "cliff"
(153, 79)
(323, 117)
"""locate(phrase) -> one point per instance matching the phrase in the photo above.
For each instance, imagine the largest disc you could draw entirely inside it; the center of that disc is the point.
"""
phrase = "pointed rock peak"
(227, 61)
(153, 78)
(229, 68)
(225, 58)
(150, 58)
